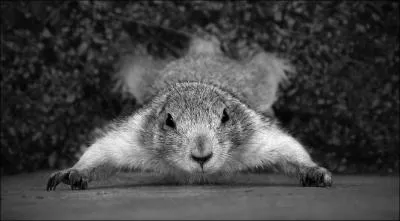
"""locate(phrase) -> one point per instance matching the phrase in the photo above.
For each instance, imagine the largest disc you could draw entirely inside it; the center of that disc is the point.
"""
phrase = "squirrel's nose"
(202, 159)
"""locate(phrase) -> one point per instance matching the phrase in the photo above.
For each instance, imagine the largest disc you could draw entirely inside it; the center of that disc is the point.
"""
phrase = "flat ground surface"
(252, 196)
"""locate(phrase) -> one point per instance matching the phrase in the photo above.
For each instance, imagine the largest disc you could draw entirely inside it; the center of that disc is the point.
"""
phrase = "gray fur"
(184, 101)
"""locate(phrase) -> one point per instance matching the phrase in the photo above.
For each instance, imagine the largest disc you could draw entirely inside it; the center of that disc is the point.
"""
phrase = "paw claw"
(53, 181)
(70, 177)
(316, 176)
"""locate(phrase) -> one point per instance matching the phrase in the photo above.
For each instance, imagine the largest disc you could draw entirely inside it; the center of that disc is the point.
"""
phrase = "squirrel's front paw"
(72, 177)
(316, 176)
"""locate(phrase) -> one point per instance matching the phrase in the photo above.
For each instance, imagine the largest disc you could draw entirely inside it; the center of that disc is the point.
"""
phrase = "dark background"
(59, 59)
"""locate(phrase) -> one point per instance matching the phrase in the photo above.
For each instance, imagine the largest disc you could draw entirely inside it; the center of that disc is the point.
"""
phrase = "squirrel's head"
(197, 128)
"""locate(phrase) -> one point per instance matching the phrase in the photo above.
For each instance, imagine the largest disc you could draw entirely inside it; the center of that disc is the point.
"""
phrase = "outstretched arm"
(118, 148)
(272, 147)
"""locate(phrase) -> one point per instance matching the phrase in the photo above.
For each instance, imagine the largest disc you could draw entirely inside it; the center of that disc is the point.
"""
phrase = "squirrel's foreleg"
(118, 148)
(272, 147)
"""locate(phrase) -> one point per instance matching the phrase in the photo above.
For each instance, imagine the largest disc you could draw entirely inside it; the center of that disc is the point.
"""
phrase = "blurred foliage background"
(58, 59)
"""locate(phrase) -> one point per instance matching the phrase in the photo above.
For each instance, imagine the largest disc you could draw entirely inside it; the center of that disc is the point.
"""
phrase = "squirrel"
(204, 116)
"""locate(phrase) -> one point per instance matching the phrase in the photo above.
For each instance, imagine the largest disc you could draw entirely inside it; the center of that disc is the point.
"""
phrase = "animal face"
(197, 130)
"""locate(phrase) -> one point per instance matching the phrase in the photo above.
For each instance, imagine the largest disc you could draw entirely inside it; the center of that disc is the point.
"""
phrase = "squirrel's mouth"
(202, 173)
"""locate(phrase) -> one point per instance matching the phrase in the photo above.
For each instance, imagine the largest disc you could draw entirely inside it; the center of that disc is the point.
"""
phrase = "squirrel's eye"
(170, 122)
(225, 117)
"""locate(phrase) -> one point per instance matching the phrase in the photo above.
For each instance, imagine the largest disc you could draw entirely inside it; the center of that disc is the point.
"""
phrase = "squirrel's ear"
(211, 45)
